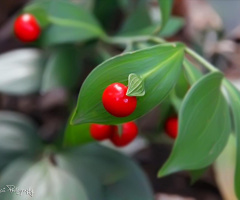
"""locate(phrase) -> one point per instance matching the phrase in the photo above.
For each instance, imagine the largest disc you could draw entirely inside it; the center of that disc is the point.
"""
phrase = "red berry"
(171, 127)
(26, 28)
(116, 102)
(100, 131)
(129, 133)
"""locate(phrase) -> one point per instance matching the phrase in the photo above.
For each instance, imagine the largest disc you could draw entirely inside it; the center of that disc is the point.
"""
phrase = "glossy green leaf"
(173, 25)
(166, 9)
(62, 69)
(204, 127)
(135, 86)
(69, 23)
(116, 173)
(77, 135)
(158, 66)
(192, 73)
(18, 137)
(234, 98)
(21, 71)
(224, 168)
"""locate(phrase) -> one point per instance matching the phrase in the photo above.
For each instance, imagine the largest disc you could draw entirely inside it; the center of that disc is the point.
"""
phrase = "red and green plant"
(122, 88)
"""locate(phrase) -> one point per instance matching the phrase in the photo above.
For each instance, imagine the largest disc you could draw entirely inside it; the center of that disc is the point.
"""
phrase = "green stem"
(200, 59)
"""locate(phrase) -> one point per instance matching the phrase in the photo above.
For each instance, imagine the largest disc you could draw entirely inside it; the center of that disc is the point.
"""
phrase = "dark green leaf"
(204, 127)
(173, 25)
(77, 135)
(166, 9)
(18, 137)
(40, 14)
(135, 86)
(138, 23)
(116, 173)
(192, 73)
(234, 97)
(158, 66)
(62, 69)
(21, 71)
(69, 23)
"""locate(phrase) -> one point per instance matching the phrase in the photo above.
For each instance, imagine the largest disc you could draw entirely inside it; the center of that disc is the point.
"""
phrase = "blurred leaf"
(224, 169)
(182, 85)
(138, 23)
(158, 66)
(166, 9)
(119, 176)
(204, 119)
(40, 14)
(173, 25)
(12, 174)
(18, 137)
(62, 69)
(77, 135)
(21, 71)
(69, 23)
(192, 73)
(234, 98)
(176, 101)
(49, 182)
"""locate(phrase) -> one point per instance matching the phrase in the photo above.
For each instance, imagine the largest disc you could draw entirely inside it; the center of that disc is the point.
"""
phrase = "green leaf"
(62, 69)
(192, 73)
(234, 98)
(158, 66)
(224, 168)
(204, 127)
(77, 135)
(18, 137)
(138, 23)
(173, 25)
(69, 23)
(115, 171)
(135, 86)
(166, 9)
(21, 71)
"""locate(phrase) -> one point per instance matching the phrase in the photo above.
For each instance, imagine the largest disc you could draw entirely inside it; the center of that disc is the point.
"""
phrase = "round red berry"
(26, 28)
(116, 102)
(100, 131)
(129, 133)
(171, 127)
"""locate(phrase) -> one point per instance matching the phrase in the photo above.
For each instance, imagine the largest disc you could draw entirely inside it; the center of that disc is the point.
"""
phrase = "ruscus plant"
(124, 71)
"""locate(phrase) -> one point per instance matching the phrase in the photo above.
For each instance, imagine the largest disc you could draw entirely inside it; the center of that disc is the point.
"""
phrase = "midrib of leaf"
(155, 69)
(74, 24)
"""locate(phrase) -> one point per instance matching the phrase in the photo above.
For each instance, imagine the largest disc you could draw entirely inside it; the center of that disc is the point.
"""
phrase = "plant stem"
(200, 59)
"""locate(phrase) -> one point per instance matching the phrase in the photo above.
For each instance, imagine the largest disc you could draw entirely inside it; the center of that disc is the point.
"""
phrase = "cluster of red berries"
(102, 132)
(27, 28)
